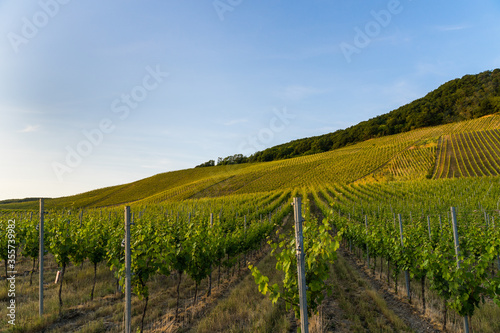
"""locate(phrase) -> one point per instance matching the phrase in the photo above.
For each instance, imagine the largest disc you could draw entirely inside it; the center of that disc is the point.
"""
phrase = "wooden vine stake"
(301, 267)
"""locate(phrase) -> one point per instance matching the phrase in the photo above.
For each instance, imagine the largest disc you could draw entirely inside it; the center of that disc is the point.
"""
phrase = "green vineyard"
(231, 166)
(385, 202)
(181, 250)
(471, 154)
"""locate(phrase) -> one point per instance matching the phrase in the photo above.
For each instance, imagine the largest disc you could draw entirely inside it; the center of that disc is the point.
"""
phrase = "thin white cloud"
(425, 68)
(445, 28)
(235, 122)
(130, 48)
(30, 129)
(395, 38)
(401, 92)
(298, 92)
(158, 164)
(306, 53)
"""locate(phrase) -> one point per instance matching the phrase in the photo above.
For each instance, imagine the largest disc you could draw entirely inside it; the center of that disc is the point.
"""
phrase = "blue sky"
(99, 93)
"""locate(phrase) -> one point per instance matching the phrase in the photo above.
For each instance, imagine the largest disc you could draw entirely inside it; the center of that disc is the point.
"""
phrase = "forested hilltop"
(469, 97)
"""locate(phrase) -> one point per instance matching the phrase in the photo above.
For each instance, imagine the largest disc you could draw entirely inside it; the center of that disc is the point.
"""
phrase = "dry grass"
(318, 323)
(247, 310)
(390, 315)
(360, 308)
(76, 297)
(105, 312)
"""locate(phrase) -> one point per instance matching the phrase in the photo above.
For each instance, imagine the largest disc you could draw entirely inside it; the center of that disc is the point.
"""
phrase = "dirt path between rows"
(219, 296)
(405, 311)
(402, 308)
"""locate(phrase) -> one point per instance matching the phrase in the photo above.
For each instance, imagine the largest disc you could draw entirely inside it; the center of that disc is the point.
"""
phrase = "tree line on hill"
(234, 159)
(469, 97)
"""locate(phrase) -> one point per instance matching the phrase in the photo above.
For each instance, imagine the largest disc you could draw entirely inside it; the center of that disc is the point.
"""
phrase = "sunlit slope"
(412, 155)
(429, 157)
(469, 154)
(406, 156)
(169, 185)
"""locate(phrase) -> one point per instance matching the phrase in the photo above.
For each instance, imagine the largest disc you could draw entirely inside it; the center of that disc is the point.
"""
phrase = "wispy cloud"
(394, 39)
(130, 48)
(401, 92)
(445, 28)
(426, 68)
(235, 122)
(305, 53)
(299, 92)
(30, 129)
(158, 164)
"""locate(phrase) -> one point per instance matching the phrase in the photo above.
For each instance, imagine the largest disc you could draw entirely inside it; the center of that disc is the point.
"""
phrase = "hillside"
(430, 137)
(466, 148)
(469, 97)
